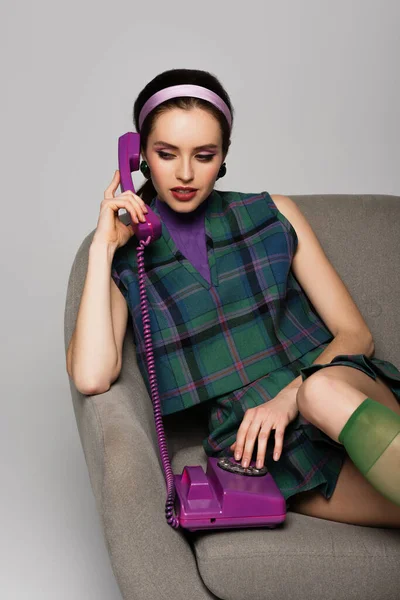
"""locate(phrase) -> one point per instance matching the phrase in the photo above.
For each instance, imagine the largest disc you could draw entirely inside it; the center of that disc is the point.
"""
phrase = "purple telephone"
(226, 495)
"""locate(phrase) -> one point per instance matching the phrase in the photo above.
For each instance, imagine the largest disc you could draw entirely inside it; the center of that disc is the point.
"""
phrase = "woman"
(229, 292)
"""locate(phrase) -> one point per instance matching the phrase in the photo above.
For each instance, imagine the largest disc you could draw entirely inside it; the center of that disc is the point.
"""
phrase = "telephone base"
(221, 498)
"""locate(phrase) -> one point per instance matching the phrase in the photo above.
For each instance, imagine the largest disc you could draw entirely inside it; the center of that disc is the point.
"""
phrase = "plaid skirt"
(309, 458)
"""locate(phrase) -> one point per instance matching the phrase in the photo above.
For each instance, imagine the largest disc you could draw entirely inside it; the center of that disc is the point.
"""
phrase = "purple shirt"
(188, 232)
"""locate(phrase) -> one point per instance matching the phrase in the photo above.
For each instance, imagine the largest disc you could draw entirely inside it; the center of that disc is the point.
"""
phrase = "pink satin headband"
(174, 91)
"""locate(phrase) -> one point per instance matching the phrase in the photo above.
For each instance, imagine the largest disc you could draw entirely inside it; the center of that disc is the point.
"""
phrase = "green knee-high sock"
(372, 440)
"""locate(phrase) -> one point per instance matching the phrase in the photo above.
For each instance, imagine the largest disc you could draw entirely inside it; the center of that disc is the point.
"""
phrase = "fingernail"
(237, 455)
(259, 464)
(276, 455)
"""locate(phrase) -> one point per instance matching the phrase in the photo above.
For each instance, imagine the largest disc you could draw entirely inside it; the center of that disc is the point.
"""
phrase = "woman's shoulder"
(263, 203)
(277, 202)
(247, 198)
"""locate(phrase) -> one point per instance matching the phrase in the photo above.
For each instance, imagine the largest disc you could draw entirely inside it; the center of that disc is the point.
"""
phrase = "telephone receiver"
(227, 495)
(128, 161)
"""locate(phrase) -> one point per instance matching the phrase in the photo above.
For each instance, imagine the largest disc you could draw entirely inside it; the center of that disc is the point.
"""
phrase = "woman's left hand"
(260, 420)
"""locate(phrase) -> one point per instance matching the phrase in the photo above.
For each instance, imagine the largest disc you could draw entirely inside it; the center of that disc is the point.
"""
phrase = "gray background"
(315, 86)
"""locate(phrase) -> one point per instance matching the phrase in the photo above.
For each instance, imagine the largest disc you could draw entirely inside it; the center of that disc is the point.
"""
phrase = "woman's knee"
(311, 391)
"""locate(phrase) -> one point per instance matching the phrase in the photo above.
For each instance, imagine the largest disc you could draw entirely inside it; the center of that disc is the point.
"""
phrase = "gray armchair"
(304, 558)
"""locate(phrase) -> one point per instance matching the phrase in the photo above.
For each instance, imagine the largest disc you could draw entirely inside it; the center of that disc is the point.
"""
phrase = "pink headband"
(175, 91)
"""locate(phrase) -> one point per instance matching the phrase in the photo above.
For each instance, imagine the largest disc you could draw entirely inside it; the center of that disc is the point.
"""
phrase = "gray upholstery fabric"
(305, 557)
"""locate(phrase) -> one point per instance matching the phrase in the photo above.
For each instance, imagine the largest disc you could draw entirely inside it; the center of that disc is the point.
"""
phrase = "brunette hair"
(177, 77)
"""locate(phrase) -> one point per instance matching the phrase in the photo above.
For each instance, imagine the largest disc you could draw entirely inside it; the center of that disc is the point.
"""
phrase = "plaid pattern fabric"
(212, 339)
(309, 457)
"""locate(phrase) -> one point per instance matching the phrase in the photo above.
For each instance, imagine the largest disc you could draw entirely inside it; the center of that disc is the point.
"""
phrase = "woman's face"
(185, 165)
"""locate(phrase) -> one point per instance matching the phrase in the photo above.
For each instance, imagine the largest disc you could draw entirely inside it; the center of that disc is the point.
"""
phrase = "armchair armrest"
(149, 558)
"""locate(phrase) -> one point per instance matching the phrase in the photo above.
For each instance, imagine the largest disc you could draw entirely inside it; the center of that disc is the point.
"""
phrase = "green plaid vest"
(209, 340)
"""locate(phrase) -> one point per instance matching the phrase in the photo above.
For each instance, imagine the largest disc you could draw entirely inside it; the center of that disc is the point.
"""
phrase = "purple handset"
(128, 160)
(227, 495)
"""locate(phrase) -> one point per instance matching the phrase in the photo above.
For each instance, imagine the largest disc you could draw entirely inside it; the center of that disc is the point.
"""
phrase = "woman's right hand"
(110, 229)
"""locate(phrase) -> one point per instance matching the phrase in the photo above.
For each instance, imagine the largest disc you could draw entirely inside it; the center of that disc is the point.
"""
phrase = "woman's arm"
(92, 358)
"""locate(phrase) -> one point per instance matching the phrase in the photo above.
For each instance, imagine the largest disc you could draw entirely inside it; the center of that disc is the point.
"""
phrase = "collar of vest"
(215, 206)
